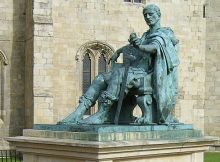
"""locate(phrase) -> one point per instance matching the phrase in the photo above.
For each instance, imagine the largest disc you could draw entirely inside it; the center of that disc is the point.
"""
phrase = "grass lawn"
(212, 157)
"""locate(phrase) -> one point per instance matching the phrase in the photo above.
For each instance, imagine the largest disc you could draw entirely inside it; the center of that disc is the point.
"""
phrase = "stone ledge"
(112, 128)
(63, 150)
(113, 133)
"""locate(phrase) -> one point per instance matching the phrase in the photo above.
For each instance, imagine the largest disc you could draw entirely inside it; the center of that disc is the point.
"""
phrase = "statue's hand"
(114, 58)
(129, 57)
(137, 42)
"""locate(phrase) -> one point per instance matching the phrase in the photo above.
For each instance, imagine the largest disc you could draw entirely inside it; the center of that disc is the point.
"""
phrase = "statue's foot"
(63, 122)
(99, 117)
(73, 118)
(172, 120)
(169, 121)
(143, 121)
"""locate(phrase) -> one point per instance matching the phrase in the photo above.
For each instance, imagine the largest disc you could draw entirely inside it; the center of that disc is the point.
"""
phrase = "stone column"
(43, 67)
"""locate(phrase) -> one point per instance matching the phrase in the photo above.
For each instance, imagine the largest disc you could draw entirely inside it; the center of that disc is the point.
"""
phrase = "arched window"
(86, 72)
(94, 56)
(3, 63)
(102, 64)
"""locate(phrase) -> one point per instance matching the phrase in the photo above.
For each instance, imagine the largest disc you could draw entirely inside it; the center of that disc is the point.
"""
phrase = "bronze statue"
(147, 78)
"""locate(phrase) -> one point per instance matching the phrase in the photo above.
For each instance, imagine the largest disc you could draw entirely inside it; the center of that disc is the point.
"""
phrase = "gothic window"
(93, 67)
(102, 64)
(86, 72)
(94, 56)
(3, 63)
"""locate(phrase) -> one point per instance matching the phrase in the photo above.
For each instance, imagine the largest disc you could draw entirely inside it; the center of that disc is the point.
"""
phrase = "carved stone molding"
(3, 58)
(91, 47)
(4, 62)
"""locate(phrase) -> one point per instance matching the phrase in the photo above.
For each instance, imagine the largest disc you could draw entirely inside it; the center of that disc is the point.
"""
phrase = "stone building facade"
(12, 73)
(212, 70)
(44, 43)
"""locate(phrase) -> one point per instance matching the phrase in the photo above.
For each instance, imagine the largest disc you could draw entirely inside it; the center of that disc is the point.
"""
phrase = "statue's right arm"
(119, 51)
(116, 55)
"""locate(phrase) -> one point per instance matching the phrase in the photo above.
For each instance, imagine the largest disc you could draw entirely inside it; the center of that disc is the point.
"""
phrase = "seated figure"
(151, 81)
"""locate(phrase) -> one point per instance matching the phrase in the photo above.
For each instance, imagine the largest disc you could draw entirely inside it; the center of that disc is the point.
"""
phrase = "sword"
(122, 90)
(124, 80)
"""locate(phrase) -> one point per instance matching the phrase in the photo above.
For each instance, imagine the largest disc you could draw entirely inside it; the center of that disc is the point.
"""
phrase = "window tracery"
(94, 58)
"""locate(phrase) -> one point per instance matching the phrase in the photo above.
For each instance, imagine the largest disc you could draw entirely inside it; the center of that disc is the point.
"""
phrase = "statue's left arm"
(148, 48)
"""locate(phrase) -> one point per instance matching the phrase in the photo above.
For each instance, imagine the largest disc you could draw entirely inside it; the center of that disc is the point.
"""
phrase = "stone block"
(66, 150)
(114, 132)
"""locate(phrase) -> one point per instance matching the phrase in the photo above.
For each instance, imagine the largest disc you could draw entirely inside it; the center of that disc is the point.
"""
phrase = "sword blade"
(121, 94)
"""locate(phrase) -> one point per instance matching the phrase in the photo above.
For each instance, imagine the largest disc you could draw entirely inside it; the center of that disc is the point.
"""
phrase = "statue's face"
(151, 17)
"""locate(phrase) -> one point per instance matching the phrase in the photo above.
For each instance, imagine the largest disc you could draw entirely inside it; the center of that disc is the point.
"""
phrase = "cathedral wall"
(212, 84)
(12, 41)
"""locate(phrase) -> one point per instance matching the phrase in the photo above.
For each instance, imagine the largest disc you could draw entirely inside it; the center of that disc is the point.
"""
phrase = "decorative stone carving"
(3, 58)
(91, 47)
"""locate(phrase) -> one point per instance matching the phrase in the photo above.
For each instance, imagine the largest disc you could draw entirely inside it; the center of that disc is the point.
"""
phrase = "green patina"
(147, 78)
(112, 128)
(105, 133)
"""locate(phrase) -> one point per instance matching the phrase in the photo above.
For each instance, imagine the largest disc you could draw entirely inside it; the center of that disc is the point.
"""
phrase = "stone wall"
(29, 47)
(12, 42)
(212, 84)
(44, 70)
(57, 76)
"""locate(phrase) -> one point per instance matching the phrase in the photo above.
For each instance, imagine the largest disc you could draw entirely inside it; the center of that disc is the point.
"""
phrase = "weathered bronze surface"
(147, 78)
(112, 132)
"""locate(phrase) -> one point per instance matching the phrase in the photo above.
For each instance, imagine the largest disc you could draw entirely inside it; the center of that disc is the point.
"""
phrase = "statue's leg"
(103, 114)
(115, 81)
(87, 100)
(107, 99)
(145, 103)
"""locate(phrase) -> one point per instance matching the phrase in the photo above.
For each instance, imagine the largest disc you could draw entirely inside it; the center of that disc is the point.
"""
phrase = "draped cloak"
(164, 77)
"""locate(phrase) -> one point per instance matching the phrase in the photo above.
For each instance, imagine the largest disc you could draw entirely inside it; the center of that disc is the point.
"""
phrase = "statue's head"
(151, 14)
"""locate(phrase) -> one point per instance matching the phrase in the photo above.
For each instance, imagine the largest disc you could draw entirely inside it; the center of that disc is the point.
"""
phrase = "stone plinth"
(37, 149)
(61, 146)
(104, 133)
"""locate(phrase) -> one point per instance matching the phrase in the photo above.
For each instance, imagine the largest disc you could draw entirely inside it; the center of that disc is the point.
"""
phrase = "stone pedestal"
(215, 147)
(58, 145)
(66, 150)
